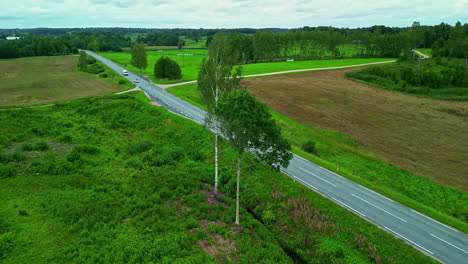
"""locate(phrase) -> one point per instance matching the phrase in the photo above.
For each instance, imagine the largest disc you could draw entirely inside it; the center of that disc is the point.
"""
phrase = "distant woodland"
(249, 45)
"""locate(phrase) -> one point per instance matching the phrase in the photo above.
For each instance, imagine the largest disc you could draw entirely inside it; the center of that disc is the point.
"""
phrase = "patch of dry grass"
(40, 80)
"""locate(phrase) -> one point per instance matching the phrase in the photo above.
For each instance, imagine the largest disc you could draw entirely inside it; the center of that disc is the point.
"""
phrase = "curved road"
(425, 234)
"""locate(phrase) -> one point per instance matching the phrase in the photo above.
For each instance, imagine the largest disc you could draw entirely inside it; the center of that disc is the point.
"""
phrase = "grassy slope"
(42, 80)
(191, 64)
(364, 168)
(124, 182)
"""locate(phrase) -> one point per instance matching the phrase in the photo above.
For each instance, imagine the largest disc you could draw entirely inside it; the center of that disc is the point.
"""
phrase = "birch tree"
(249, 127)
(139, 56)
(216, 79)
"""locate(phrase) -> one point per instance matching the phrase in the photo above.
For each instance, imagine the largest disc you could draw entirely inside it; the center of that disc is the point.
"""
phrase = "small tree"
(139, 56)
(159, 67)
(83, 61)
(167, 68)
(173, 70)
(248, 125)
(180, 43)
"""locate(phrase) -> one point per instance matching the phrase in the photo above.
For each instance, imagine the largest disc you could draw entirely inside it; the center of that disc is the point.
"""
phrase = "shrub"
(139, 147)
(122, 81)
(134, 163)
(42, 145)
(23, 213)
(7, 171)
(65, 138)
(167, 68)
(104, 75)
(310, 147)
(6, 243)
(87, 149)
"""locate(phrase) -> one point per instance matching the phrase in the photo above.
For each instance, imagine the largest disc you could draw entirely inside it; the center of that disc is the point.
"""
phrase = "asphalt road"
(425, 234)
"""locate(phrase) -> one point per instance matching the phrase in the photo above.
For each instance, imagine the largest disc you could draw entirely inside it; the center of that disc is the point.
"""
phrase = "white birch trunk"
(216, 164)
(237, 188)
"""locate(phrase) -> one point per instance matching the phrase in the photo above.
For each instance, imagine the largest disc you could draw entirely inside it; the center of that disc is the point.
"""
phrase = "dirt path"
(421, 54)
(422, 135)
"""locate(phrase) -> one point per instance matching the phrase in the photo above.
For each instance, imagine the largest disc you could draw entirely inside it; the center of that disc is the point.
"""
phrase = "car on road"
(136, 81)
(125, 72)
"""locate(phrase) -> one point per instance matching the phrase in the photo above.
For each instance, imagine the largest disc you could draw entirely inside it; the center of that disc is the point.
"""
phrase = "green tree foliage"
(165, 68)
(139, 56)
(8, 50)
(94, 46)
(416, 35)
(33, 45)
(89, 64)
(180, 44)
(83, 61)
(215, 80)
(437, 77)
(160, 39)
(248, 125)
(452, 42)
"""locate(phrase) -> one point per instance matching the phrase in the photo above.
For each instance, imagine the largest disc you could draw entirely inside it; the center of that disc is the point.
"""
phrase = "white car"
(125, 72)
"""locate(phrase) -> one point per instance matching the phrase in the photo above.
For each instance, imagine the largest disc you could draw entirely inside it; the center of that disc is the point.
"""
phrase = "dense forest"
(250, 45)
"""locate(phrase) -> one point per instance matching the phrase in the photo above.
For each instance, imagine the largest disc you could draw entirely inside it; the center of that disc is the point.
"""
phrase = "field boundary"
(165, 86)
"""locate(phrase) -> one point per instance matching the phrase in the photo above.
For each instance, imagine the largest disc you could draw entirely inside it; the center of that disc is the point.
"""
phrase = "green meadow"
(190, 63)
(116, 180)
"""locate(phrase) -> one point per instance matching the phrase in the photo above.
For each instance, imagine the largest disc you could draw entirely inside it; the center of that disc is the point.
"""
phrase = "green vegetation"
(259, 68)
(165, 68)
(190, 61)
(443, 203)
(437, 77)
(139, 57)
(427, 52)
(125, 182)
(28, 81)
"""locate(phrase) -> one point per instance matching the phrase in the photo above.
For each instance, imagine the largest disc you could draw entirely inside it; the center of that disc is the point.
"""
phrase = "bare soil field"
(39, 80)
(428, 137)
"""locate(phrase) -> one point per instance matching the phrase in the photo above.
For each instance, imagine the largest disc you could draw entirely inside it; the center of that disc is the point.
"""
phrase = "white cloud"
(228, 13)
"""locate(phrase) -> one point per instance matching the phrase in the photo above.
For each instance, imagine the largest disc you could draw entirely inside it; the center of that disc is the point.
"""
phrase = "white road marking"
(317, 176)
(407, 240)
(435, 221)
(305, 183)
(379, 208)
(377, 193)
(448, 243)
(349, 207)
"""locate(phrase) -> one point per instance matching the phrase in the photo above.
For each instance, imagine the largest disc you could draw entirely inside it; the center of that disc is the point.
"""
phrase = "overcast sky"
(228, 13)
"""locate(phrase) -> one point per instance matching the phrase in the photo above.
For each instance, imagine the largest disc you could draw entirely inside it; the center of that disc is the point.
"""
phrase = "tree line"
(329, 42)
(66, 44)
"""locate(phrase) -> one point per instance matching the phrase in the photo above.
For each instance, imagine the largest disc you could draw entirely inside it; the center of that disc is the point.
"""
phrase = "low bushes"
(433, 78)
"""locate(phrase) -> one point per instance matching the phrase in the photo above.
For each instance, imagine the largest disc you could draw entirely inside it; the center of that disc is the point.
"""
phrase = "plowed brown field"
(425, 136)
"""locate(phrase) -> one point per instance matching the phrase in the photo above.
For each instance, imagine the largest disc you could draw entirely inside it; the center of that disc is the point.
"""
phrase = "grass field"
(429, 142)
(116, 180)
(190, 64)
(42, 80)
(428, 52)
